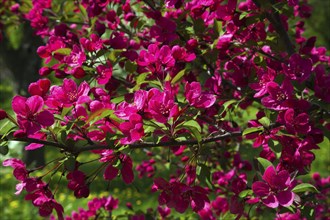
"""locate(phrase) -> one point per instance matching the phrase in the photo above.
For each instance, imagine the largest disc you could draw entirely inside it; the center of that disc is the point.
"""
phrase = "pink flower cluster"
(202, 89)
(95, 206)
(38, 191)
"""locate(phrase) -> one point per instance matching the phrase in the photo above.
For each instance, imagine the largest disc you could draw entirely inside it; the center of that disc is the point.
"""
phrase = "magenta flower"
(30, 114)
(264, 78)
(77, 183)
(226, 12)
(46, 206)
(146, 168)
(94, 44)
(127, 169)
(279, 97)
(40, 87)
(296, 154)
(162, 106)
(154, 59)
(296, 124)
(76, 58)
(133, 129)
(299, 68)
(196, 98)
(20, 171)
(178, 195)
(43, 199)
(3, 114)
(110, 172)
(111, 204)
(322, 84)
(69, 94)
(275, 189)
(180, 54)
(104, 73)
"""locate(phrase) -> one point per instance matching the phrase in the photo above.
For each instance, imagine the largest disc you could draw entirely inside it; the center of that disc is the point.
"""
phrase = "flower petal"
(271, 201)
(269, 175)
(285, 198)
(45, 118)
(110, 172)
(261, 189)
(18, 105)
(33, 146)
(35, 103)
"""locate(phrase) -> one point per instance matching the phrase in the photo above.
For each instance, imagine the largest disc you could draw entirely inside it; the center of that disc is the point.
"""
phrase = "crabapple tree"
(221, 104)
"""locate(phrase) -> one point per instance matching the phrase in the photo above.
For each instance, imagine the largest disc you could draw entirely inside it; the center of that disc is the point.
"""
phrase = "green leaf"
(118, 99)
(178, 76)
(130, 66)
(62, 51)
(192, 123)
(245, 193)
(65, 111)
(203, 173)
(140, 79)
(227, 104)
(264, 121)
(82, 10)
(194, 128)
(63, 136)
(325, 143)
(199, 26)
(70, 163)
(305, 187)
(100, 114)
(218, 27)
(252, 130)
(6, 128)
(4, 150)
(15, 35)
(264, 163)
(195, 133)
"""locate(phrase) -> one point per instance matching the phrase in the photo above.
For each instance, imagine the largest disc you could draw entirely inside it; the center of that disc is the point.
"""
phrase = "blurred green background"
(19, 66)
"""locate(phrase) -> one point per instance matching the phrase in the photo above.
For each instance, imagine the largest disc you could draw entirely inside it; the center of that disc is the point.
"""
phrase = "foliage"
(214, 107)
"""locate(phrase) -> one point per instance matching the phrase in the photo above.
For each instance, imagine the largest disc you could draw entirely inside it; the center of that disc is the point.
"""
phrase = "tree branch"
(77, 150)
(276, 21)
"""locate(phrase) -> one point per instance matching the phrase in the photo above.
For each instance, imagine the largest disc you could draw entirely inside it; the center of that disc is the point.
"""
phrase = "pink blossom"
(279, 97)
(296, 154)
(42, 198)
(164, 211)
(296, 123)
(20, 171)
(299, 68)
(3, 114)
(133, 129)
(77, 183)
(127, 169)
(69, 94)
(40, 88)
(264, 79)
(180, 54)
(178, 195)
(322, 84)
(196, 98)
(275, 189)
(76, 58)
(111, 204)
(161, 105)
(146, 168)
(95, 43)
(30, 114)
(104, 73)
(110, 172)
